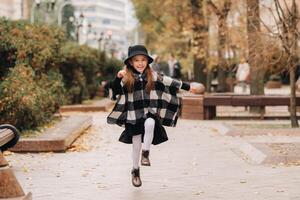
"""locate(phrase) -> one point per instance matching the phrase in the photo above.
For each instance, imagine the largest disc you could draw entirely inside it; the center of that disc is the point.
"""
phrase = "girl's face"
(139, 62)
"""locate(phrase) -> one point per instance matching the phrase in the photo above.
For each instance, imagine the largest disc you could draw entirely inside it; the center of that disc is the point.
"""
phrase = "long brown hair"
(129, 79)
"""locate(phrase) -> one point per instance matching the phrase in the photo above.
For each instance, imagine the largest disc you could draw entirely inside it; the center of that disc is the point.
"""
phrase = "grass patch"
(32, 133)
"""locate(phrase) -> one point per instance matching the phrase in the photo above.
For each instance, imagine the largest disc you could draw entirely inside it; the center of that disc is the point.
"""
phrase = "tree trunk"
(256, 72)
(222, 32)
(221, 79)
(199, 65)
(292, 67)
(208, 81)
(199, 41)
(222, 35)
(293, 106)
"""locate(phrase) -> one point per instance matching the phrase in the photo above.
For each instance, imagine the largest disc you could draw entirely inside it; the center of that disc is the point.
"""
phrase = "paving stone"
(270, 146)
(196, 163)
(280, 153)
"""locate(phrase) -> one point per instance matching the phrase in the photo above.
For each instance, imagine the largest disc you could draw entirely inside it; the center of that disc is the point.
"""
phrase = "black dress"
(160, 134)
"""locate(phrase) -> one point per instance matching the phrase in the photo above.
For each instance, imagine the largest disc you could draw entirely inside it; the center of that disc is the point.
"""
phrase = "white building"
(109, 17)
(134, 33)
(11, 9)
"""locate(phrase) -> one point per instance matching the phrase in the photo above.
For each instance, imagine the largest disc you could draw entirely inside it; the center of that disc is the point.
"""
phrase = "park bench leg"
(9, 185)
(209, 112)
(262, 112)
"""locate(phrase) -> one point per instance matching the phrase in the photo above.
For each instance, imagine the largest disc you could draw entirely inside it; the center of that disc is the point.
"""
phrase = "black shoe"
(136, 179)
(145, 158)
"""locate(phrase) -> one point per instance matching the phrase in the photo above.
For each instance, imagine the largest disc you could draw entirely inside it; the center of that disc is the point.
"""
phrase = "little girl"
(146, 100)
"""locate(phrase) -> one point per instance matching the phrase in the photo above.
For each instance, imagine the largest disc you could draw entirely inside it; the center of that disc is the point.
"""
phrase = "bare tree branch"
(279, 58)
(227, 7)
(287, 7)
(213, 7)
(280, 11)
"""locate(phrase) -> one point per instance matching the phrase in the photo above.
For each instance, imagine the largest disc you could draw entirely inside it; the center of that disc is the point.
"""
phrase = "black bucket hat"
(137, 50)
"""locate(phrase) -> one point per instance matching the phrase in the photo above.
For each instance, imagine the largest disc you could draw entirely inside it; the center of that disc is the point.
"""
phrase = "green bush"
(35, 45)
(31, 88)
(83, 69)
(28, 102)
(52, 72)
(109, 68)
(79, 67)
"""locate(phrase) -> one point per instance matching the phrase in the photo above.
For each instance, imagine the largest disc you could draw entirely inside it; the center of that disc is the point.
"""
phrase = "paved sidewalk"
(196, 163)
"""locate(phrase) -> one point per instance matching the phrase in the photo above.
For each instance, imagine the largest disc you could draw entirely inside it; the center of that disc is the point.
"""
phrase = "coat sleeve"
(170, 82)
(116, 88)
(185, 86)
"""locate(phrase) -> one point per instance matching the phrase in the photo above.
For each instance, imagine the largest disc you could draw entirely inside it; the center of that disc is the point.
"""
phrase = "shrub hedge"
(27, 101)
(40, 70)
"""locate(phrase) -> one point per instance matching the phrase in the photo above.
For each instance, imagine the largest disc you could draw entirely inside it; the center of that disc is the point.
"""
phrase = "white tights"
(137, 141)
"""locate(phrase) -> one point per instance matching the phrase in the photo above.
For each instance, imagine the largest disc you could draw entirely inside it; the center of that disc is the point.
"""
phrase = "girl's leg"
(149, 133)
(148, 138)
(136, 150)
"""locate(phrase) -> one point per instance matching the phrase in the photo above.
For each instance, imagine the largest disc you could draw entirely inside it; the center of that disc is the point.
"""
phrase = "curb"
(258, 148)
(99, 106)
(245, 148)
(241, 146)
(58, 138)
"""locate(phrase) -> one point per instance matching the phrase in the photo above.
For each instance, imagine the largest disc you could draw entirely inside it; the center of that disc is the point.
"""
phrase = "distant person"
(243, 74)
(174, 67)
(156, 66)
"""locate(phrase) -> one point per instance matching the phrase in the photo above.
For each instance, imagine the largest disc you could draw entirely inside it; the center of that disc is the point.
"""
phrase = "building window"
(106, 21)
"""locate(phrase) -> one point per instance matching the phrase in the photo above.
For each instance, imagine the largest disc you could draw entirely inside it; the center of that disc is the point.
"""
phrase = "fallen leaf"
(25, 169)
(84, 174)
(199, 192)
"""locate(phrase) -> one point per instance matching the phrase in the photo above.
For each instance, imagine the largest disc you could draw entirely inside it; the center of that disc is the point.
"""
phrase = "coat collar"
(139, 76)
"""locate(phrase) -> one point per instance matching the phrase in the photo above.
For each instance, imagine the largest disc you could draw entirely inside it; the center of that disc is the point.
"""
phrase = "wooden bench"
(192, 107)
(9, 186)
(210, 102)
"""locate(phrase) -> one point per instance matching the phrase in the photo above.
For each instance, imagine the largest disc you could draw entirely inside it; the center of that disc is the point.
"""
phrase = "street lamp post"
(37, 4)
(110, 43)
(51, 5)
(107, 41)
(78, 23)
(100, 41)
(89, 31)
(60, 11)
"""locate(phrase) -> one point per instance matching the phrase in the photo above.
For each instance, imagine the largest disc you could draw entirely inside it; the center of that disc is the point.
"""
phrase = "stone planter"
(57, 138)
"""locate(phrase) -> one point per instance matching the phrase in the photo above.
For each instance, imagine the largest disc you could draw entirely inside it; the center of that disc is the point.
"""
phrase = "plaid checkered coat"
(162, 101)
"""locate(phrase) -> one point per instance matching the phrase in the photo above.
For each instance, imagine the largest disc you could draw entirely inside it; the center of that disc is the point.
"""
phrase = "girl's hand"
(121, 73)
